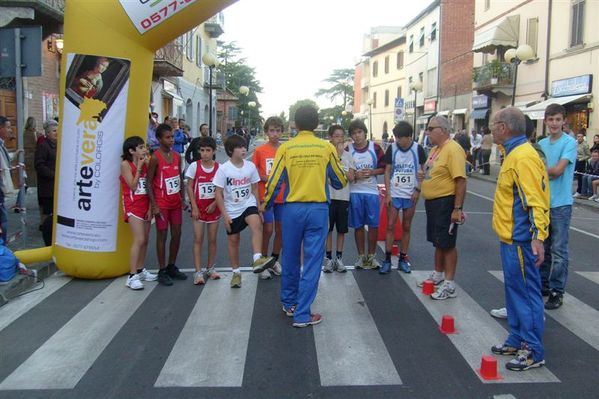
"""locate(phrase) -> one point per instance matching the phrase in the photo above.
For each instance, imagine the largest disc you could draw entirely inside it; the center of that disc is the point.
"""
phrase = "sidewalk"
(495, 172)
(23, 233)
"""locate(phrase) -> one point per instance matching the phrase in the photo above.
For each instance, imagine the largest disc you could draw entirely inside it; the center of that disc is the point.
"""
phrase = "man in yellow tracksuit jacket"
(521, 220)
(304, 164)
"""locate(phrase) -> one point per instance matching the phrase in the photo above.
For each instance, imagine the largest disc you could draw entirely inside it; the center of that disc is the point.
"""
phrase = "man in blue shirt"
(560, 153)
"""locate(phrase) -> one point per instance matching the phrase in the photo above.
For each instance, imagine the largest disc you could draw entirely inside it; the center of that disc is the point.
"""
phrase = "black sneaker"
(504, 350)
(163, 278)
(174, 272)
(554, 301)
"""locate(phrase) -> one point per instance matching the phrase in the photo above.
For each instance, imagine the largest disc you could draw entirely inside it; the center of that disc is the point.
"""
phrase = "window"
(386, 64)
(189, 45)
(375, 69)
(386, 98)
(431, 82)
(398, 91)
(421, 37)
(411, 44)
(577, 23)
(434, 32)
(410, 80)
(198, 51)
(487, 4)
(421, 77)
(374, 100)
(532, 34)
(232, 114)
(485, 58)
(400, 60)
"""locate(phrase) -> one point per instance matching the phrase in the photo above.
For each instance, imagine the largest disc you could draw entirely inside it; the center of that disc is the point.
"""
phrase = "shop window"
(577, 23)
(532, 34)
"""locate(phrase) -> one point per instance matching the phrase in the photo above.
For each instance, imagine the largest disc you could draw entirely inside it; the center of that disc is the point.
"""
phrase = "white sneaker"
(265, 275)
(134, 282)
(327, 265)
(596, 199)
(500, 313)
(145, 275)
(276, 269)
(445, 291)
(576, 195)
(359, 264)
(593, 197)
(374, 262)
(339, 266)
(436, 278)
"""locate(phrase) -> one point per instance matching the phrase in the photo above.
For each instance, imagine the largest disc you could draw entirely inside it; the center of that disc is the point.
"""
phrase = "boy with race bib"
(236, 184)
(137, 213)
(404, 159)
(204, 212)
(166, 202)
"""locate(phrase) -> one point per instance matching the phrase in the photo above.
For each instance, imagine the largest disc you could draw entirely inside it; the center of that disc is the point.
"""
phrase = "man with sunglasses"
(443, 189)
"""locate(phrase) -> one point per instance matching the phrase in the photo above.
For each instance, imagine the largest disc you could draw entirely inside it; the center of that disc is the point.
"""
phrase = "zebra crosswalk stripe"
(212, 347)
(360, 357)
(592, 276)
(575, 315)
(477, 331)
(67, 355)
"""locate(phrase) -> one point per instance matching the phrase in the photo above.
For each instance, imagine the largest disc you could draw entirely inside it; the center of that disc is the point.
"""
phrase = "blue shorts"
(273, 214)
(402, 203)
(363, 210)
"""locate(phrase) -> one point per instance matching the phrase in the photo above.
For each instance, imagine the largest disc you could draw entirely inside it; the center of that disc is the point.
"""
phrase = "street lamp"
(251, 104)
(370, 102)
(244, 91)
(416, 86)
(515, 56)
(211, 62)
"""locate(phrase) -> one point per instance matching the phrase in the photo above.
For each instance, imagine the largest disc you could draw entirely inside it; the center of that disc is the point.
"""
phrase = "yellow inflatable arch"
(105, 81)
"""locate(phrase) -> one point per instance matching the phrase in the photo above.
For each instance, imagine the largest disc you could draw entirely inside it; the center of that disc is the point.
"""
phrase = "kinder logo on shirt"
(238, 182)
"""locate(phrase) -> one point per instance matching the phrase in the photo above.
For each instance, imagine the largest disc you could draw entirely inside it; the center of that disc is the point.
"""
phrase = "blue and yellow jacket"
(304, 164)
(521, 207)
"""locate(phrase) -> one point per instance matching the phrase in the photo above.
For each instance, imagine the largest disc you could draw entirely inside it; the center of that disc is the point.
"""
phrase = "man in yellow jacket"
(304, 164)
(521, 220)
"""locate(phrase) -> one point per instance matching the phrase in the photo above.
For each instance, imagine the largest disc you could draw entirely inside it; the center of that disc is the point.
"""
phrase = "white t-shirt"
(237, 186)
(347, 161)
(190, 173)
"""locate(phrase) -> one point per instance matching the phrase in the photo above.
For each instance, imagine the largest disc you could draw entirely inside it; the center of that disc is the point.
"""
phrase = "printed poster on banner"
(399, 112)
(93, 130)
(147, 14)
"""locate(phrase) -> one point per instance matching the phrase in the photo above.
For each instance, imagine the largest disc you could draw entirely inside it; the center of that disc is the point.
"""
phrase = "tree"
(341, 83)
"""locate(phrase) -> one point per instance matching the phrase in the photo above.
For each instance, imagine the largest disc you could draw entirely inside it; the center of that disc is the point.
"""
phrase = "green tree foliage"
(341, 85)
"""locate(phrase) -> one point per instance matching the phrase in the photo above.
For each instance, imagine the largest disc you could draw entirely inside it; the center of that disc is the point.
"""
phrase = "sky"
(295, 44)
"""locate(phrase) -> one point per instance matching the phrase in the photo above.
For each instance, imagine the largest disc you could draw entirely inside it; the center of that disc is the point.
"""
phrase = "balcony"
(214, 26)
(493, 77)
(168, 61)
(47, 13)
(218, 79)
(53, 9)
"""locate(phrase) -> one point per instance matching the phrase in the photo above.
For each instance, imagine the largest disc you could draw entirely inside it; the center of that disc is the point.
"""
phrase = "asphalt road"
(380, 336)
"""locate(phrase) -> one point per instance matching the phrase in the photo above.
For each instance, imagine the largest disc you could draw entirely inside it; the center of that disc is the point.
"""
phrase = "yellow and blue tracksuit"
(520, 215)
(304, 164)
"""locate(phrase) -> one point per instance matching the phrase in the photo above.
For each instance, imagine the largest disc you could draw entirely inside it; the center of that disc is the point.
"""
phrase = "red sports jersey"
(204, 190)
(135, 202)
(167, 182)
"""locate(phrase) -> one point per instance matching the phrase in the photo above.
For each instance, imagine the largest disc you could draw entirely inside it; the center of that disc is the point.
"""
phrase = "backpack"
(9, 264)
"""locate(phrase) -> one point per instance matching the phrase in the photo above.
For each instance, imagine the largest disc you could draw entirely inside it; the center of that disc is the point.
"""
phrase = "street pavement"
(380, 336)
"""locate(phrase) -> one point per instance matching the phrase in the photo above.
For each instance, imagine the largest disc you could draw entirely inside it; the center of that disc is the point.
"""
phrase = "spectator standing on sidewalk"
(588, 187)
(45, 165)
(520, 219)
(583, 154)
(192, 153)
(444, 189)
(560, 151)
(476, 140)
(486, 147)
(5, 132)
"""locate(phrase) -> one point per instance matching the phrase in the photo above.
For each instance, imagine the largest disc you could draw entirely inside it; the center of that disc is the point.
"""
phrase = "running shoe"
(265, 275)
(174, 272)
(554, 301)
(504, 350)
(276, 269)
(436, 278)
(500, 313)
(327, 265)
(134, 282)
(164, 278)
(404, 265)
(263, 263)
(445, 291)
(524, 360)
(198, 278)
(576, 195)
(145, 275)
(212, 274)
(236, 280)
(386, 268)
(370, 262)
(314, 319)
(289, 311)
(360, 261)
(339, 266)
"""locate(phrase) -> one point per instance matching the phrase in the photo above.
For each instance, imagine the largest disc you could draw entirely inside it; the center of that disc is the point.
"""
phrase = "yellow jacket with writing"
(521, 207)
(305, 163)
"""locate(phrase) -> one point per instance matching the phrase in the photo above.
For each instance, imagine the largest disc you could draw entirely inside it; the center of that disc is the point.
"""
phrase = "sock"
(339, 254)
(438, 275)
(140, 270)
(402, 255)
(237, 270)
(387, 256)
(275, 256)
(257, 256)
(329, 254)
(450, 284)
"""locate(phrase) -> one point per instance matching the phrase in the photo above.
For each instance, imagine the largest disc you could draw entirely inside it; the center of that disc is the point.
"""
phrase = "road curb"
(21, 282)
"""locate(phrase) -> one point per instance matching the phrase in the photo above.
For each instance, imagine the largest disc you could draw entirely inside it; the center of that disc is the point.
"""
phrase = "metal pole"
(516, 63)
(20, 112)
(370, 120)
(414, 127)
(210, 95)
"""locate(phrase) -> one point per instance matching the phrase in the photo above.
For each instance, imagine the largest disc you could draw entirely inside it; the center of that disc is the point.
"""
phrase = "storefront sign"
(430, 106)
(147, 14)
(480, 101)
(572, 86)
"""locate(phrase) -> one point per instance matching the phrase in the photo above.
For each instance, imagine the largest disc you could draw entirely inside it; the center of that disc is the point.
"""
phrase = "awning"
(505, 34)
(443, 113)
(540, 107)
(460, 111)
(172, 94)
(479, 113)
